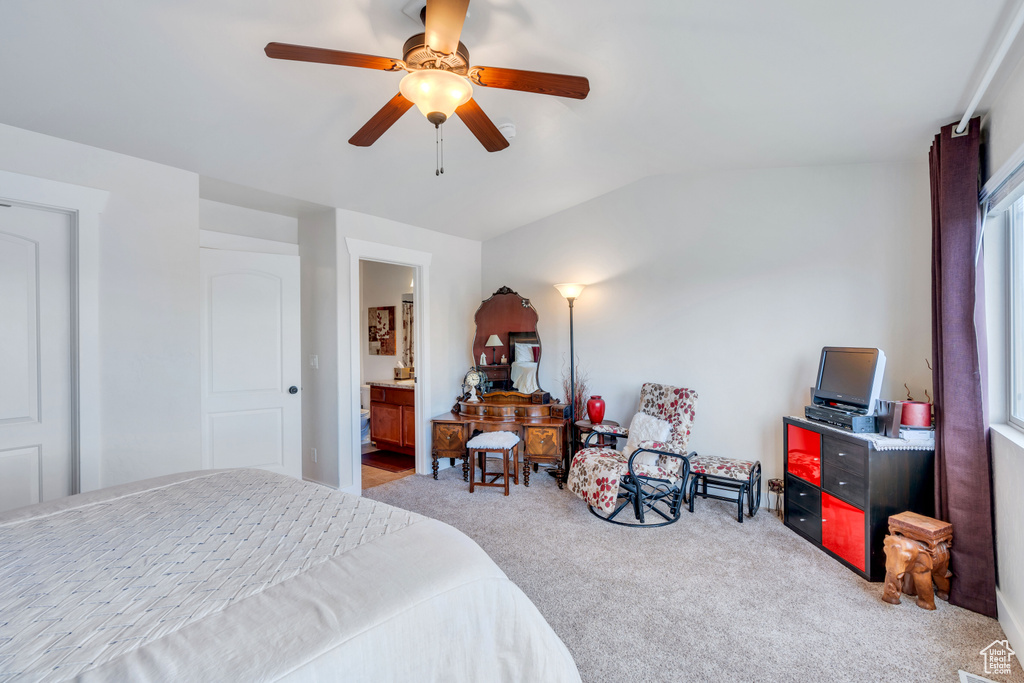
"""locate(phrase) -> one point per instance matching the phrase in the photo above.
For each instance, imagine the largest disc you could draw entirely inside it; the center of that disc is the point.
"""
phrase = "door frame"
(83, 206)
(419, 261)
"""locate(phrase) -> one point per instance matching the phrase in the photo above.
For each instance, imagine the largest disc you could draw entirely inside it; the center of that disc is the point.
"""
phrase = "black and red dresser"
(842, 487)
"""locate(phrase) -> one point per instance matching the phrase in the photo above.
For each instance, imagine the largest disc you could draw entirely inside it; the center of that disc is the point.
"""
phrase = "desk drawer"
(803, 507)
(849, 486)
(803, 494)
(542, 441)
(803, 520)
(852, 457)
(449, 437)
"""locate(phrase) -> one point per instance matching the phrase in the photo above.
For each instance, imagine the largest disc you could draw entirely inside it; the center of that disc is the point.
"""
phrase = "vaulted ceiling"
(677, 86)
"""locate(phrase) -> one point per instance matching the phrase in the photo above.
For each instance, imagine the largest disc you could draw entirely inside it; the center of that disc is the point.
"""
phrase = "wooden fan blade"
(301, 53)
(444, 24)
(381, 121)
(576, 87)
(481, 126)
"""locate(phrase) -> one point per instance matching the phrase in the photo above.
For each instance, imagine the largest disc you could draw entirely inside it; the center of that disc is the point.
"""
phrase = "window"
(1016, 322)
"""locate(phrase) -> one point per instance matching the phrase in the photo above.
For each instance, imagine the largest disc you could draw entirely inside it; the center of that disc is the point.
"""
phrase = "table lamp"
(493, 341)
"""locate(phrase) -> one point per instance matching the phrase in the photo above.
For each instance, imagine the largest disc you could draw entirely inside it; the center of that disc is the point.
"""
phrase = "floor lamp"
(570, 290)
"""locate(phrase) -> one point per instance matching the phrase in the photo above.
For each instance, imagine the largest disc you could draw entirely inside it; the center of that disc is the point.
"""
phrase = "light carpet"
(705, 599)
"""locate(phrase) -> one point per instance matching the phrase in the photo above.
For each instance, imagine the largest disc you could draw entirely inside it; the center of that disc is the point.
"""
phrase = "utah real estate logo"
(998, 656)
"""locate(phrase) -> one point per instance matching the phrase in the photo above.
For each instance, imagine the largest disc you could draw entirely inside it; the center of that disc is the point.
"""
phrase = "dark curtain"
(963, 466)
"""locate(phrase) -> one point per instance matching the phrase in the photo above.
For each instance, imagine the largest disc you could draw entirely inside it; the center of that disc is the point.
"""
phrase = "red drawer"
(803, 456)
(842, 530)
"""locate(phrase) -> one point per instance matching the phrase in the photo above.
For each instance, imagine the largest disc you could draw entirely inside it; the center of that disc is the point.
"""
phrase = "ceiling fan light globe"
(436, 91)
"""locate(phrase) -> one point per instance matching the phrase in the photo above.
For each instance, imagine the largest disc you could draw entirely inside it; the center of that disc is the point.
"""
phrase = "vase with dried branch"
(582, 387)
(927, 396)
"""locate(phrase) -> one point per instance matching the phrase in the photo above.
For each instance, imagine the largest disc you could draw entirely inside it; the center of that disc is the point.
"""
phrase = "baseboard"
(317, 481)
(1011, 623)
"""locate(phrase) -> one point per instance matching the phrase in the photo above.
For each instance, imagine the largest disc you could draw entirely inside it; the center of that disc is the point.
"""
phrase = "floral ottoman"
(729, 474)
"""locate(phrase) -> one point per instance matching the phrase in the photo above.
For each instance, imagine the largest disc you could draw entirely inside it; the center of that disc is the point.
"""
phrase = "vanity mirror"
(506, 327)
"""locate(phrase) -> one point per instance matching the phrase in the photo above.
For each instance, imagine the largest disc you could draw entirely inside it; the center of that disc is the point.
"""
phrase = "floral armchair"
(608, 481)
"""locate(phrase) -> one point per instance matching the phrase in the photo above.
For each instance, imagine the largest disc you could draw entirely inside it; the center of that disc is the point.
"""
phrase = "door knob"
(293, 390)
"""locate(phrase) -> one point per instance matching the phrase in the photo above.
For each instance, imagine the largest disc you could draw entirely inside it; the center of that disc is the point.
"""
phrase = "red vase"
(595, 410)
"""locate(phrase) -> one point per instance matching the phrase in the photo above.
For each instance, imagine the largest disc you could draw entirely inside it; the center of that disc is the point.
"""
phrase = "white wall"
(454, 297)
(149, 300)
(1005, 127)
(382, 284)
(1007, 443)
(327, 403)
(239, 220)
(319, 293)
(730, 283)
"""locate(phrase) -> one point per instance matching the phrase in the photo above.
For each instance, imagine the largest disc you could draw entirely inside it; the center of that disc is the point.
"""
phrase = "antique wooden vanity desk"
(541, 424)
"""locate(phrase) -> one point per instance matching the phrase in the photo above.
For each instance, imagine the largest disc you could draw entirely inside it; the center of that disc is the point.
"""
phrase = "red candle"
(916, 414)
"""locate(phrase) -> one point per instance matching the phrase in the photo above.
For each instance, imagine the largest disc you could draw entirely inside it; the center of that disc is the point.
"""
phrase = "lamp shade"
(493, 341)
(570, 290)
(436, 91)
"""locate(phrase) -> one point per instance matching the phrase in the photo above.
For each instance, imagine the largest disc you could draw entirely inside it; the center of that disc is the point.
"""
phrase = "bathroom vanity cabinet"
(393, 418)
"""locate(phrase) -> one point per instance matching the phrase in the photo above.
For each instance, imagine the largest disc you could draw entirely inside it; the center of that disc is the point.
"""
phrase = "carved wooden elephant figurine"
(910, 567)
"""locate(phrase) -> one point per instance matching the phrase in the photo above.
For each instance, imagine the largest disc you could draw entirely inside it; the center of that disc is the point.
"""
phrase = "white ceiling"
(676, 86)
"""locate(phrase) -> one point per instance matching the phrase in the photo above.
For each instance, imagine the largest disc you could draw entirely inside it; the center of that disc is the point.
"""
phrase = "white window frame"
(1015, 321)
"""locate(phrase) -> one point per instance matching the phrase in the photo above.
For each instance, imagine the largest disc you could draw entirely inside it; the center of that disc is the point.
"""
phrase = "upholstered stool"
(778, 487)
(741, 476)
(505, 443)
(916, 555)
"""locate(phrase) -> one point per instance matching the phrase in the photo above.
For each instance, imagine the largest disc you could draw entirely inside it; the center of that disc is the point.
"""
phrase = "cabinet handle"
(842, 483)
(842, 455)
(803, 519)
(803, 494)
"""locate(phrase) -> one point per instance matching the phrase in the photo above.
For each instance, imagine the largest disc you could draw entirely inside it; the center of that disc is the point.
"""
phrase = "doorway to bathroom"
(387, 371)
(413, 418)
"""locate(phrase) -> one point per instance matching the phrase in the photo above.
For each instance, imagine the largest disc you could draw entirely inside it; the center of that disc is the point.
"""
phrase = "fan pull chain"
(439, 150)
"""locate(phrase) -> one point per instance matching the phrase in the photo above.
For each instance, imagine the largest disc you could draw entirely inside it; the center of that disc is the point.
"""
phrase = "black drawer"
(852, 457)
(803, 494)
(845, 485)
(803, 520)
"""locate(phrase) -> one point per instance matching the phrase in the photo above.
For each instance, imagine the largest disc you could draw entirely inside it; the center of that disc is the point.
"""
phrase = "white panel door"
(251, 361)
(36, 396)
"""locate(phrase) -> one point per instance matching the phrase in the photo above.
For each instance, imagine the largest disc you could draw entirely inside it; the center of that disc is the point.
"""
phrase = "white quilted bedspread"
(137, 567)
(208, 576)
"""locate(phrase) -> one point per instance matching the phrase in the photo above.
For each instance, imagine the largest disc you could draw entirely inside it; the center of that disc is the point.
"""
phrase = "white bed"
(244, 575)
(525, 354)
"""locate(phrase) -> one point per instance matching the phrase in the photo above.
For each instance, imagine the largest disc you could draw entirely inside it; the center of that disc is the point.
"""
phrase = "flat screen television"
(850, 378)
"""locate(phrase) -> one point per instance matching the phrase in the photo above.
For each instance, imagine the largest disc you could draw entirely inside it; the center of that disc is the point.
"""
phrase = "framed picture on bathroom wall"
(381, 323)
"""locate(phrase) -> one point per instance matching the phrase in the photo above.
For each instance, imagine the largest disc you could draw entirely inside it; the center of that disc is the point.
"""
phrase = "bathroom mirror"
(506, 325)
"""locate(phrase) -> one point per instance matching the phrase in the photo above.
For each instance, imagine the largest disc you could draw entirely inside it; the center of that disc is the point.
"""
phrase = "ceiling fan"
(439, 77)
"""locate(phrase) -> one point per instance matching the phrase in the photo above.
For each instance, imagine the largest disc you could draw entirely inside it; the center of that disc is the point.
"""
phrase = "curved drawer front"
(506, 410)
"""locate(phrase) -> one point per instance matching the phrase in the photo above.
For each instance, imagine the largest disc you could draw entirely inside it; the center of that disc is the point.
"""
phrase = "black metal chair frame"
(647, 494)
(751, 488)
